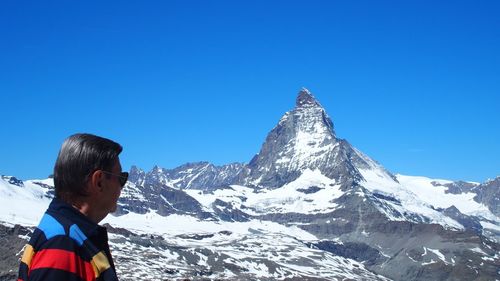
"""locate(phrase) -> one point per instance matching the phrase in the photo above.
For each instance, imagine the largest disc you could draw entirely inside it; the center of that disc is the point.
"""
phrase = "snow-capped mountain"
(308, 206)
(305, 139)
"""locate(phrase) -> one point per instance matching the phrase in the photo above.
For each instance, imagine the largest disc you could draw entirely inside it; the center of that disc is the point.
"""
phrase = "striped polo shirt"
(66, 245)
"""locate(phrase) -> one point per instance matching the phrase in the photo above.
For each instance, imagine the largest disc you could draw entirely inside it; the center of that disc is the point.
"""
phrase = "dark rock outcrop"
(489, 194)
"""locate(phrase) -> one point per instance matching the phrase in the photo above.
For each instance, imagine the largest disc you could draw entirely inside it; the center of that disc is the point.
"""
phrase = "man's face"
(112, 188)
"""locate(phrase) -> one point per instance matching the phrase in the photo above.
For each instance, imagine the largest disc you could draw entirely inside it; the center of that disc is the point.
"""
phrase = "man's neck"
(86, 209)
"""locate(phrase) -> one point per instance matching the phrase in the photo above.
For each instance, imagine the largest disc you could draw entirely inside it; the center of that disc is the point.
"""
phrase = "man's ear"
(96, 181)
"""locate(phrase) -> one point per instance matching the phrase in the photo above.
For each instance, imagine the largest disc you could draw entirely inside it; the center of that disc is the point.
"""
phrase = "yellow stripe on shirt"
(100, 263)
(28, 254)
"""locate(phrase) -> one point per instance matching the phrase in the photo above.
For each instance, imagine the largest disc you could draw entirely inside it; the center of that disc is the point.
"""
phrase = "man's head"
(85, 165)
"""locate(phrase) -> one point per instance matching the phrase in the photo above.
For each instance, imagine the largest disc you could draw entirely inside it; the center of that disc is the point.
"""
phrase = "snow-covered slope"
(25, 202)
(186, 247)
(311, 193)
(178, 246)
(425, 197)
(434, 192)
(181, 245)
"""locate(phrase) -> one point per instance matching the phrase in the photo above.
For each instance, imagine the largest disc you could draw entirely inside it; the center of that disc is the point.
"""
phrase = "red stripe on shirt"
(63, 260)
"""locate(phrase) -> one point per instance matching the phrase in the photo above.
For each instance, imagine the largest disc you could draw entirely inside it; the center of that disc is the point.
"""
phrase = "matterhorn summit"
(306, 99)
(303, 139)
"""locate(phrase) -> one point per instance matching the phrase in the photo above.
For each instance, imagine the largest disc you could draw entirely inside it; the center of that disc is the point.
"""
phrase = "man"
(69, 244)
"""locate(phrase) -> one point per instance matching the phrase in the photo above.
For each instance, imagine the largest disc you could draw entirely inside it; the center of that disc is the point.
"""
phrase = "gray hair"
(79, 157)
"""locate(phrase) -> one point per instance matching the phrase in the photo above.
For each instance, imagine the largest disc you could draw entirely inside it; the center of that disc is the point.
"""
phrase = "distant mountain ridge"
(197, 175)
(304, 138)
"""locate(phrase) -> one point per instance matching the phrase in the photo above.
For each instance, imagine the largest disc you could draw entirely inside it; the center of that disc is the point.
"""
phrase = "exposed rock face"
(199, 175)
(305, 139)
(136, 176)
(10, 248)
(228, 212)
(161, 199)
(489, 194)
(470, 223)
(460, 187)
(13, 180)
(356, 251)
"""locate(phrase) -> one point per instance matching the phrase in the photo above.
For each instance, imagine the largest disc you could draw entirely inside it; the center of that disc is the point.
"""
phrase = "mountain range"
(307, 206)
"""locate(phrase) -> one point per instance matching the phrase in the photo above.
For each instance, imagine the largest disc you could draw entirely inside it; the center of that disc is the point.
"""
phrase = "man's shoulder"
(58, 246)
(55, 229)
(52, 225)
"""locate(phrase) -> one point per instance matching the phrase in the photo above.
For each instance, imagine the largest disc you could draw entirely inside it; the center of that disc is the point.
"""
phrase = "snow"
(233, 194)
(478, 250)
(286, 199)
(417, 194)
(377, 180)
(420, 196)
(151, 222)
(430, 262)
(23, 205)
(435, 195)
(258, 269)
(132, 191)
(248, 244)
(312, 142)
(425, 252)
(438, 254)
(488, 225)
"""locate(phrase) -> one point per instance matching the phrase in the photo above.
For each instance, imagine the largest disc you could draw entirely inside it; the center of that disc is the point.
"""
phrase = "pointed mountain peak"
(135, 170)
(306, 99)
(156, 169)
(304, 139)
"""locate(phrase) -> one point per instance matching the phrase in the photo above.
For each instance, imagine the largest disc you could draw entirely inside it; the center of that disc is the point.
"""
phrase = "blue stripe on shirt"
(51, 227)
(76, 233)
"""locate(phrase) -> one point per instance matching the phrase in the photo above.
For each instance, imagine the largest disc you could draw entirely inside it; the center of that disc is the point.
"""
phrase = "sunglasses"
(122, 177)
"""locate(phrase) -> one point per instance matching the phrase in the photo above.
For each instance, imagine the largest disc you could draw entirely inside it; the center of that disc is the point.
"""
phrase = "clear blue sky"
(413, 84)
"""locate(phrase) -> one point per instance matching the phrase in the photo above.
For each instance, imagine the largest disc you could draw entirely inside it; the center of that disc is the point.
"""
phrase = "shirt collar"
(88, 227)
